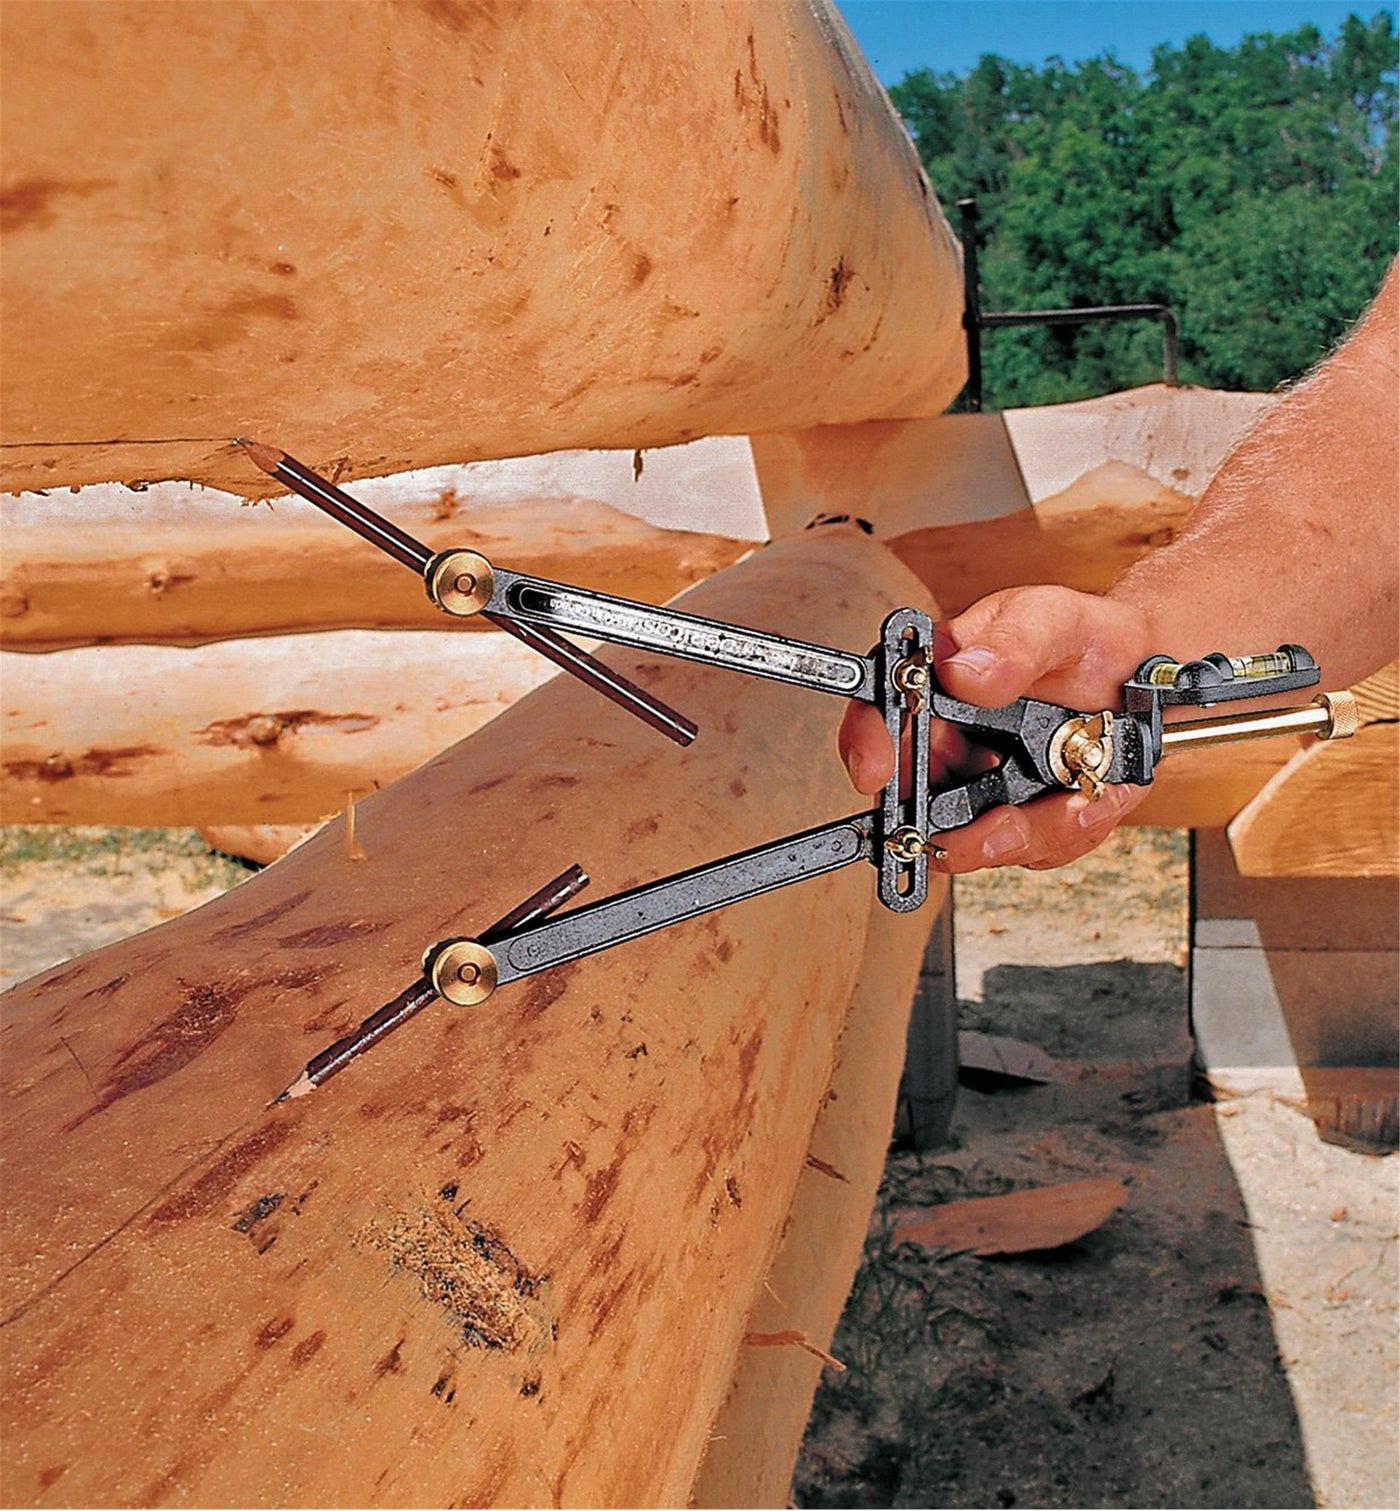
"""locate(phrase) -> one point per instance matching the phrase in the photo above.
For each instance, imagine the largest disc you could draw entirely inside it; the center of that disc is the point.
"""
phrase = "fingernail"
(974, 658)
(1003, 842)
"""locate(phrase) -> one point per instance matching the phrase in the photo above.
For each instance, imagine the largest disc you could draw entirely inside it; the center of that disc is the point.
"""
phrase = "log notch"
(1070, 494)
(1064, 493)
(472, 1268)
(395, 235)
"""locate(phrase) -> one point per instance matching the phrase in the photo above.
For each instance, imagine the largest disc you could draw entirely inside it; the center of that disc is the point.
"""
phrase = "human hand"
(1066, 647)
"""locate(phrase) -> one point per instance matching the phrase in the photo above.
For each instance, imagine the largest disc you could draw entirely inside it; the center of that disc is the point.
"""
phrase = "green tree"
(1251, 188)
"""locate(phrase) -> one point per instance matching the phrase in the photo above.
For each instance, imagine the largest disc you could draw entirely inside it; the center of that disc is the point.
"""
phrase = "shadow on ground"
(1137, 1367)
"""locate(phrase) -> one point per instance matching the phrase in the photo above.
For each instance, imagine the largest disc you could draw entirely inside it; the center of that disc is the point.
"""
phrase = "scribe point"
(269, 458)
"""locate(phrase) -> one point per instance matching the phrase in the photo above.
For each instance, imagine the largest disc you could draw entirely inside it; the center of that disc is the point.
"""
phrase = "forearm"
(1293, 542)
(1295, 539)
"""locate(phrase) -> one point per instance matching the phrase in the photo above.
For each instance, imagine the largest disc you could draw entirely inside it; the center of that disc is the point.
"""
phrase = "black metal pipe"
(972, 304)
(1091, 313)
(975, 321)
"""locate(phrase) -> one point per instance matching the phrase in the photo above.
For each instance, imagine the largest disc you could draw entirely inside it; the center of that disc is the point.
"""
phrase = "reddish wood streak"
(215, 1184)
(391, 1363)
(205, 1013)
(271, 1332)
(28, 205)
(320, 936)
(308, 1348)
(92, 763)
(598, 1190)
(271, 915)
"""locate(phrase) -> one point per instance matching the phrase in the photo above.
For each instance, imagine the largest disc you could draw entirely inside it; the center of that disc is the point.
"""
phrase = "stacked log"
(464, 231)
(112, 571)
(273, 731)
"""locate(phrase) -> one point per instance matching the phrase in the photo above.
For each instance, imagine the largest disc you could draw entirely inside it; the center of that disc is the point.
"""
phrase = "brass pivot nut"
(910, 676)
(462, 971)
(1081, 752)
(906, 844)
(461, 582)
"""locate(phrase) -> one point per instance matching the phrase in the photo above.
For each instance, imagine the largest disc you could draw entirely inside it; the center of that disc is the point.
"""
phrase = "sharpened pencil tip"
(266, 457)
(303, 1086)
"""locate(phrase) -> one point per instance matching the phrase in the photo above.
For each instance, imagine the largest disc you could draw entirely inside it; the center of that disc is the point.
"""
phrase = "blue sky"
(898, 36)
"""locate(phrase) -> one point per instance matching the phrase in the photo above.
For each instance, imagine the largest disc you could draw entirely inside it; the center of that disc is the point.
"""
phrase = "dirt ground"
(1227, 1338)
(1141, 1365)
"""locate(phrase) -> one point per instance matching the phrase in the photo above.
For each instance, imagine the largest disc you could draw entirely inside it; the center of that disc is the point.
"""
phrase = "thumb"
(1048, 642)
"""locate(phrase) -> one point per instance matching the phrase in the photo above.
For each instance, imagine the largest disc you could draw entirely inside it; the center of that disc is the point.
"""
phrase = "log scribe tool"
(1039, 747)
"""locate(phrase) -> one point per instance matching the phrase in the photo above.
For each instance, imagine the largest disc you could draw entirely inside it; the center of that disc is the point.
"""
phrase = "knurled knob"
(1344, 714)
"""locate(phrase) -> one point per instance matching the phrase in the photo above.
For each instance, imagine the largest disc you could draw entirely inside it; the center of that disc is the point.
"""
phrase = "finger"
(949, 753)
(1062, 645)
(864, 744)
(865, 747)
(1049, 832)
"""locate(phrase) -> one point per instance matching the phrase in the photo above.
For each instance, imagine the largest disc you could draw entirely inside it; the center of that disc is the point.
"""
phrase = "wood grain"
(1017, 1223)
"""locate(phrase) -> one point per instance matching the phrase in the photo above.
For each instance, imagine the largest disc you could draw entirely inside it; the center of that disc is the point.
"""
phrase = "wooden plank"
(476, 1264)
(994, 1059)
(413, 234)
(1333, 810)
(1302, 913)
(1293, 992)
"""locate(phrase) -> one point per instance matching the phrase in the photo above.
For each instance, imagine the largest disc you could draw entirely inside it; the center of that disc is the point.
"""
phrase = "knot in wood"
(265, 729)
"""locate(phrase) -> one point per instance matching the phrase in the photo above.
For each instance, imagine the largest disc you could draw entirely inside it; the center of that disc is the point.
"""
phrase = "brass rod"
(1333, 716)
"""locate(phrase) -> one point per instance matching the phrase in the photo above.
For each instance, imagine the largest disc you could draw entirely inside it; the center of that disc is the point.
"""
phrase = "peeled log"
(144, 732)
(476, 1266)
(244, 731)
(398, 235)
(127, 573)
(754, 1447)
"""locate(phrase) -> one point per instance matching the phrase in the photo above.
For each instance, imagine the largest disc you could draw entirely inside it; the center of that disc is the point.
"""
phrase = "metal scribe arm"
(621, 621)
(466, 971)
